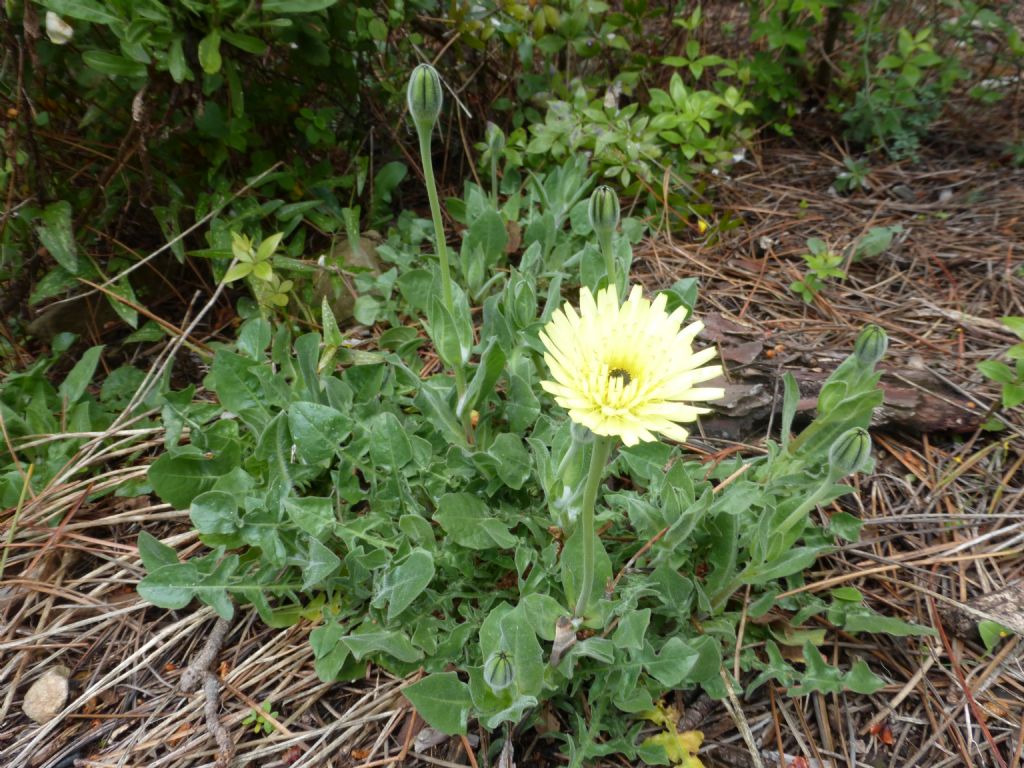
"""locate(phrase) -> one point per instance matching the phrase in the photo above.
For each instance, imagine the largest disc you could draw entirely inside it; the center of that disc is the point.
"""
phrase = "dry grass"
(941, 514)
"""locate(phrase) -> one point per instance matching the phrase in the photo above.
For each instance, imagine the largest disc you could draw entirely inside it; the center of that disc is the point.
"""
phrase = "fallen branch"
(196, 672)
(915, 397)
(199, 674)
(225, 746)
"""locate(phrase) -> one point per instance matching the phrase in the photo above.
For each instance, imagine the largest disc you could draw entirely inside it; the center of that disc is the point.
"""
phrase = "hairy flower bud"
(604, 210)
(498, 670)
(424, 96)
(871, 346)
(850, 453)
(494, 137)
(522, 300)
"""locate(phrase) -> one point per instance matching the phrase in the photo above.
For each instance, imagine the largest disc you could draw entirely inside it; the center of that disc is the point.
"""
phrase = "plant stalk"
(604, 239)
(719, 600)
(446, 275)
(494, 180)
(598, 460)
(435, 214)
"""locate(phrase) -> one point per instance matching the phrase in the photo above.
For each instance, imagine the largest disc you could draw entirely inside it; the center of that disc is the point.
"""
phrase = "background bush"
(154, 114)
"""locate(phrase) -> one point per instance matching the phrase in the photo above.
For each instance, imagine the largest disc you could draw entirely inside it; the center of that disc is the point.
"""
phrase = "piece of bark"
(695, 714)
(929, 406)
(915, 398)
(334, 282)
(198, 674)
(1004, 606)
(225, 746)
(195, 673)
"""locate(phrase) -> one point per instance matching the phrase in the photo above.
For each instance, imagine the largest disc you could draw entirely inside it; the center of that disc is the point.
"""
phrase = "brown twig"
(195, 673)
(225, 746)
(198, 673)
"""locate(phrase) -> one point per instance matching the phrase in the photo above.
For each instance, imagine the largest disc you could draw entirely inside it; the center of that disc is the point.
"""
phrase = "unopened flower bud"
(523, 300)
(850, 453)
(494, 137)
(871, 346)
(604, 210)
(425, 96)
(498, 670)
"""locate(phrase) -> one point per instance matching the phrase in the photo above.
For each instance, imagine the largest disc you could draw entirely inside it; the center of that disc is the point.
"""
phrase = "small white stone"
(58, 30)
(47, 696)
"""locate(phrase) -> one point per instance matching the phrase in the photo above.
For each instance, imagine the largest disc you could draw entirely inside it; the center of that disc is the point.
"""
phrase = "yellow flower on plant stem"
(627, 371)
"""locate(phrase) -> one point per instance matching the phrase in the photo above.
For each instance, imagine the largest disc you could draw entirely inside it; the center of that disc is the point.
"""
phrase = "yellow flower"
(627, 371)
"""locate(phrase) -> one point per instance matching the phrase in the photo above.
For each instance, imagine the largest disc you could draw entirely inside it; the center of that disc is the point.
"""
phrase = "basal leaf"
(390, 446)
(389, 642)
(673, 663)
(169, 586)
(317, 430)
(78, 378)
(238, 384)
(209, 53)
(467, 520)
(401, 585)
(215, 512)
(443, 701)
(57, 237)
(513, 460)
(155, 553)
(86, 10)
(320, 563)
(629, 635)
(312, 514)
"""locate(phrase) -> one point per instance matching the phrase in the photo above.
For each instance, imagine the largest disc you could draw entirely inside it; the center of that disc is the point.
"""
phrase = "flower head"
(628, 371)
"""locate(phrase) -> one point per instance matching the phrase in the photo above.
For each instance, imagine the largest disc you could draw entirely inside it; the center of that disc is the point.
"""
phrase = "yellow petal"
(627, 371)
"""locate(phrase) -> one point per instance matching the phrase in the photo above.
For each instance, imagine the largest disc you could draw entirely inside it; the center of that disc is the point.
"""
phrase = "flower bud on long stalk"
(425, 98)
(604, 218)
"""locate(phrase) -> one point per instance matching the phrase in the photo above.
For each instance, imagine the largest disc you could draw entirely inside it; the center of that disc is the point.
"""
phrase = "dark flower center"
(620, 373)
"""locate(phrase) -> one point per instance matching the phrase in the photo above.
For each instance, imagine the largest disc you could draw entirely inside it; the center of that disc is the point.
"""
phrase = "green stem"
(494, 179)
(435, 214)
(598, 460)
(25, 486)
(719, 600)
(446, 275)
(605, 241)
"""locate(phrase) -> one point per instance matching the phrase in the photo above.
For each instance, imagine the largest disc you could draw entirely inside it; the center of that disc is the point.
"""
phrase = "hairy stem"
(598, 459)
(494, 179)
(435, 214)
(605, 241)
(446, 276)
